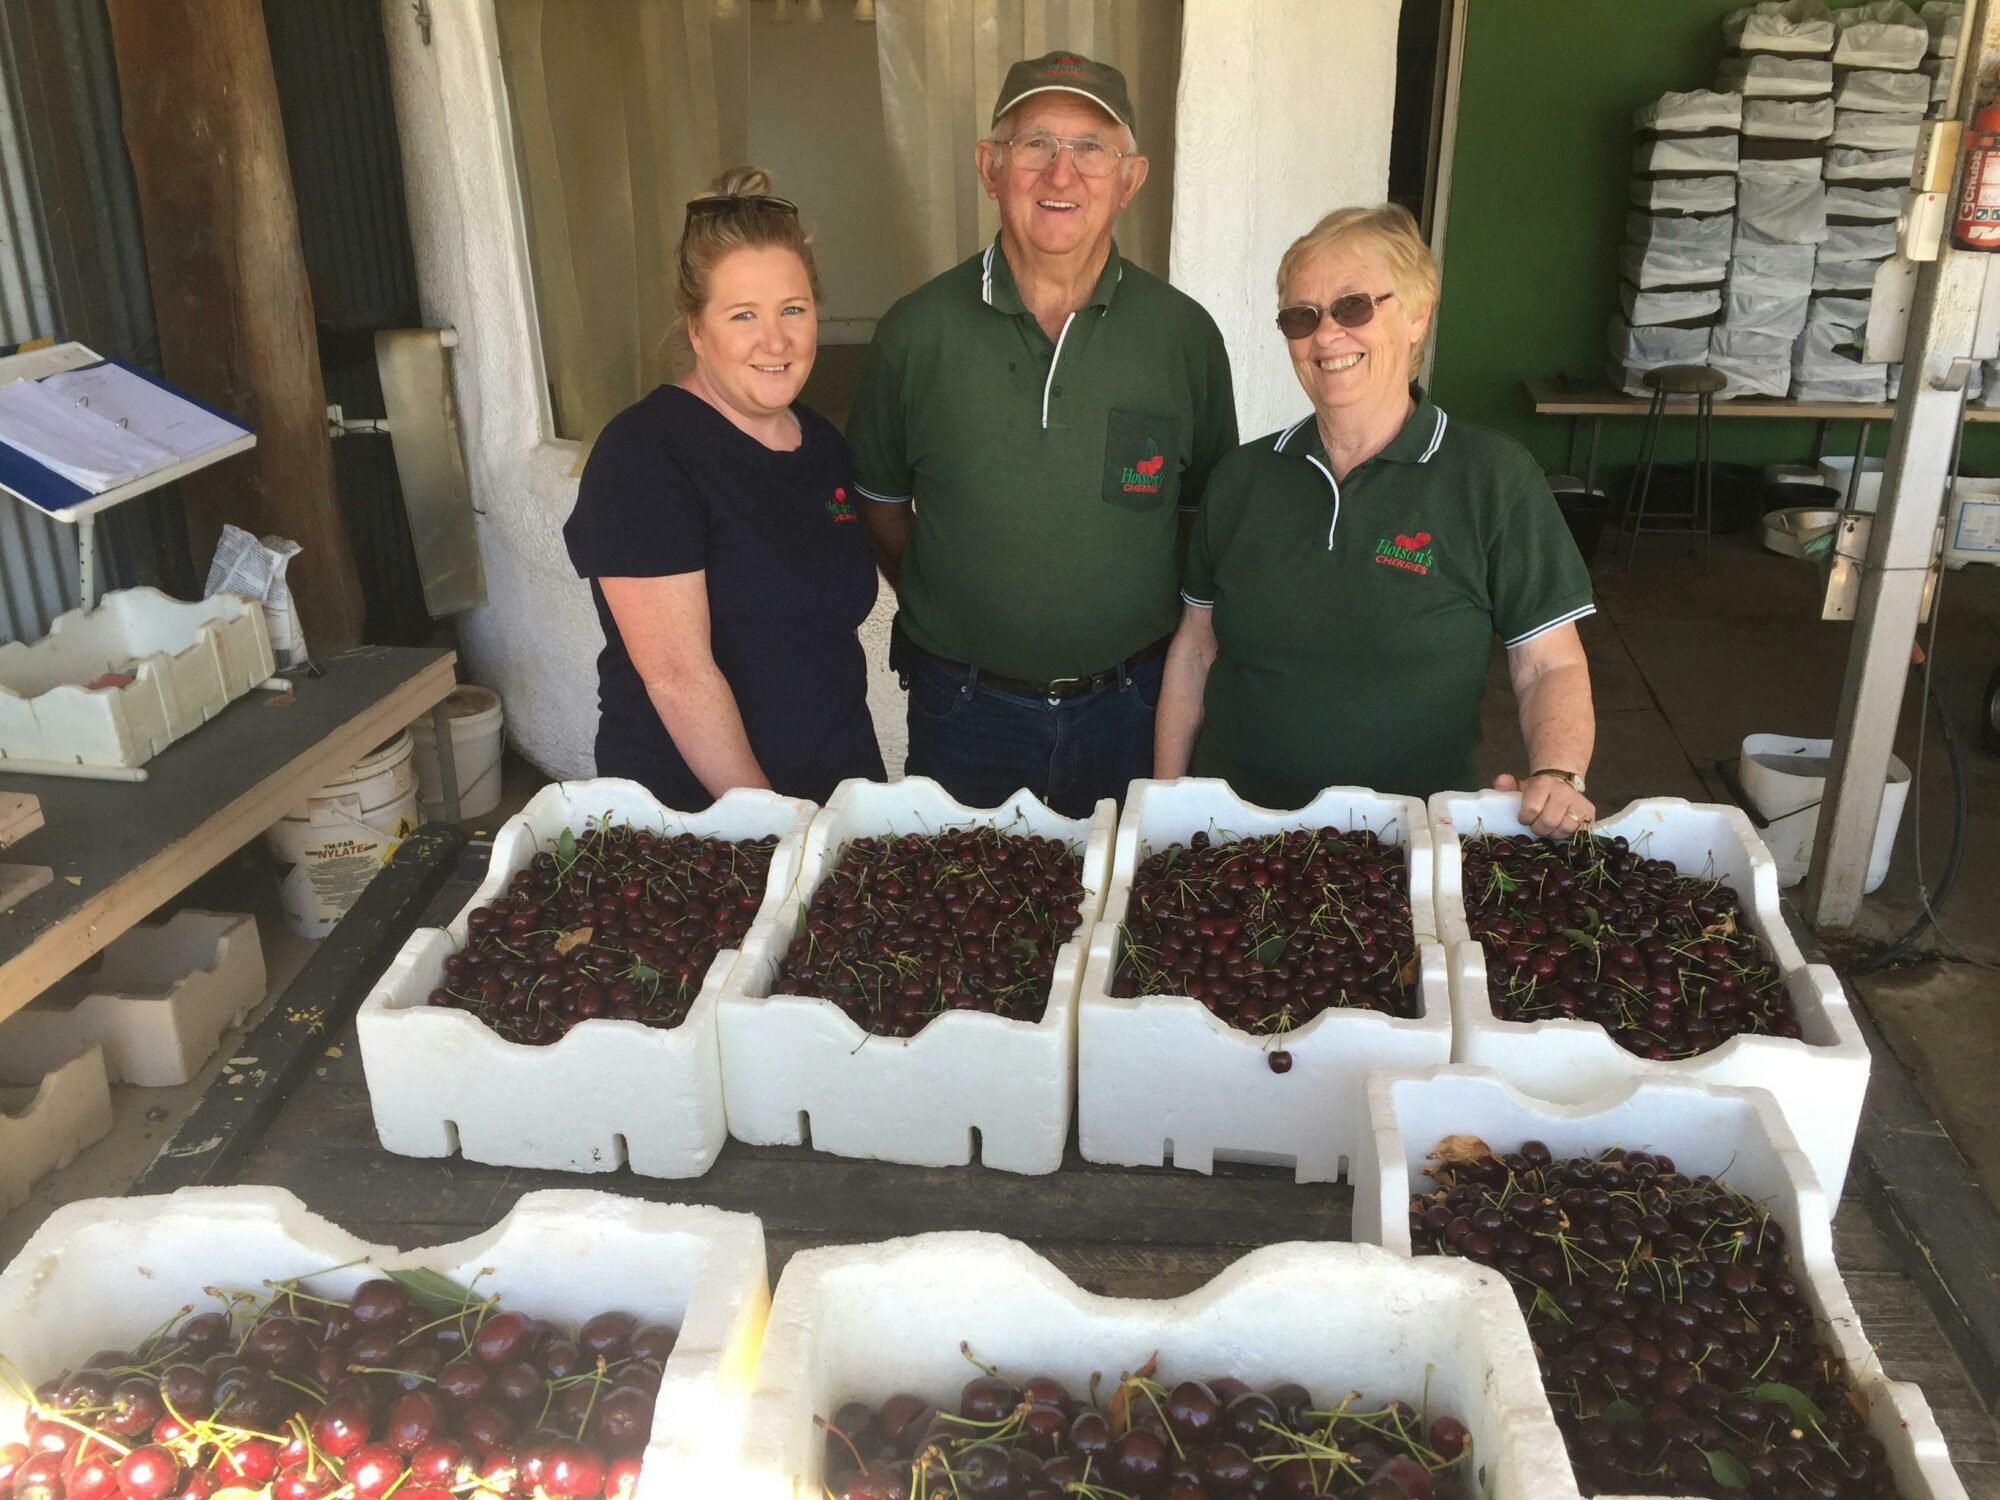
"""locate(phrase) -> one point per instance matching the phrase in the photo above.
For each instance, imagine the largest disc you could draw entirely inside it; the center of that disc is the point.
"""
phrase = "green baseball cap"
(1067, 73)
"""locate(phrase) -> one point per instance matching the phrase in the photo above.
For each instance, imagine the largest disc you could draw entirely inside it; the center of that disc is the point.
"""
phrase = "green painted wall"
(1538, 213)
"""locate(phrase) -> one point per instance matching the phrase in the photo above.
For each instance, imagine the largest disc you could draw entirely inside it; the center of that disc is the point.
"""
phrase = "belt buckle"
(1055, 682)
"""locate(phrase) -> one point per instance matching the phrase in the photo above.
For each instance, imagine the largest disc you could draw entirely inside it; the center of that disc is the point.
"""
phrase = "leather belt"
(1061, 687)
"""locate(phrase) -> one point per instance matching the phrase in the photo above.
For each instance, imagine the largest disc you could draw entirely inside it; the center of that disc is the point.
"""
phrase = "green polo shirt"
(1046, 472)
(1355, 618)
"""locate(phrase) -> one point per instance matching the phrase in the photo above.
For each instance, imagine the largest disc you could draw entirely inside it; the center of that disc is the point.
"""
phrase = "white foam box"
(157, 1002)
(106, 1271)
(1162, 1078)
(42, 1127)
(865, 1322)
(187, 662)
(1733, 1133)
(609, 1093)
(1818, 1080)
(796, 1071)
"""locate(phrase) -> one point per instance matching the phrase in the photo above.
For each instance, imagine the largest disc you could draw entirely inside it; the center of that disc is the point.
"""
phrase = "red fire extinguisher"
(1977, 226)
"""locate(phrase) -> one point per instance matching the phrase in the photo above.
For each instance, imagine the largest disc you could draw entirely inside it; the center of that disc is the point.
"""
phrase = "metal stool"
(1700, 382)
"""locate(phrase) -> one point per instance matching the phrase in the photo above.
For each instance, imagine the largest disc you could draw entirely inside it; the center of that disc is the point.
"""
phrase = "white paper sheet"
(74, 440)
(160, 416)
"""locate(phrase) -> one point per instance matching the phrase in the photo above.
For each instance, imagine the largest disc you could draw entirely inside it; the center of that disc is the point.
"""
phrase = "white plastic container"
(43, 1126)
(610, 1093)
(478, 738)
(1163, 1078)
(865, 1322)
(1786, 777)
(1972, 529)
(1735, 1134)
(158, 1002)
(187, 663)
(796, 1071)
(333, 844)
(1818, 1080)
(1837, 471)
(105, 1271)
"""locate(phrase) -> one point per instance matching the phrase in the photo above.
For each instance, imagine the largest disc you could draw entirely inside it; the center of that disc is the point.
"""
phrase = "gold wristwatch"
(1574, 778)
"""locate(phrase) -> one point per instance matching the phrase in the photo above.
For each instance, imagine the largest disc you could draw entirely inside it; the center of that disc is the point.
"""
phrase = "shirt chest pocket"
(1142, 460)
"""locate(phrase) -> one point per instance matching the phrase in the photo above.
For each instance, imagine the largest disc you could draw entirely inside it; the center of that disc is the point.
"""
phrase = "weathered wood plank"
(234, 309)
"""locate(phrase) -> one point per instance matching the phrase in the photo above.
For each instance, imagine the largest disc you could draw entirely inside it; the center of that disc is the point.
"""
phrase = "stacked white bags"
(1879, 99)
(1677, 234)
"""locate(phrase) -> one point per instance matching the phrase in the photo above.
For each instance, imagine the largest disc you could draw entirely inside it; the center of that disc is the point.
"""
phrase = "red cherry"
(437, 1462)
(372, 1469)
(573, 1471)
(250, 1462)
(148, 1473)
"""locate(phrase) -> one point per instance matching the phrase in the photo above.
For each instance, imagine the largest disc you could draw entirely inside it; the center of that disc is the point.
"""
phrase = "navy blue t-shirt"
(673, 486)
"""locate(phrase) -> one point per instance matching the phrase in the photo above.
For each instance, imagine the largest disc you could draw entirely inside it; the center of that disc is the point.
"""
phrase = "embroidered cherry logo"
(1151, 466)
(1415, 543)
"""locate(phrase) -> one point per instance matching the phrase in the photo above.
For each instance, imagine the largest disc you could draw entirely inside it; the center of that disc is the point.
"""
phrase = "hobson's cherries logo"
(840, 507)
(1413, 554)
(1144, 476)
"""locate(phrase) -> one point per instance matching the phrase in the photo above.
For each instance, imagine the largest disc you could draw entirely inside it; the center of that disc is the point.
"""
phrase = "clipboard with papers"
(80, 433)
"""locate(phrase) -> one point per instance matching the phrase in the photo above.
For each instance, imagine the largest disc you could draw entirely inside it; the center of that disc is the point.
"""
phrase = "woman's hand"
(1550, 806)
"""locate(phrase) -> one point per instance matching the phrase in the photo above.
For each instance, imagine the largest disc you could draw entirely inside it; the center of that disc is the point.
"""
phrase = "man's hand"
(1550, 806)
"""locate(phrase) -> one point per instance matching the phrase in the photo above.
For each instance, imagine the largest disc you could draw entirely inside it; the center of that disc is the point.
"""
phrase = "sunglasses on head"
(1302, 320)
(718, 204)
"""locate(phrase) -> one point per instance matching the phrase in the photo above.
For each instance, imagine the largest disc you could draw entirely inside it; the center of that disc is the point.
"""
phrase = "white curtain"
(942, 63)
(616, 125)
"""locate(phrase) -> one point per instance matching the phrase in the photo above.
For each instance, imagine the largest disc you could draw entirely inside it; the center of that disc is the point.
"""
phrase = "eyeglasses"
(718, 204)
(1302, 320)
(1036, 152)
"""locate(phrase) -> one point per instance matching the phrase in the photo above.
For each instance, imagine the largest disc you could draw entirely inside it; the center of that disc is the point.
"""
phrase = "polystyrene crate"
(158, 1002)
(44, 1126)
(1819, 1080)
(866, 1322)
(1162, 1077)
(1735, 1134)
(187, 661)
(106, 1271)
(797, 1071)
(608, 1094)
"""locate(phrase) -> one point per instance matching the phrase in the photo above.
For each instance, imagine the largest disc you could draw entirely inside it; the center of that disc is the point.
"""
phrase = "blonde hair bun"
(740, 182)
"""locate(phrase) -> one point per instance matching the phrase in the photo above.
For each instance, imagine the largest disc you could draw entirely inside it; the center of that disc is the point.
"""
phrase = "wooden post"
(229, 282)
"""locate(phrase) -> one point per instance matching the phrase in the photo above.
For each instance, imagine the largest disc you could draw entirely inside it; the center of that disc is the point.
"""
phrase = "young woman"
(716, 525)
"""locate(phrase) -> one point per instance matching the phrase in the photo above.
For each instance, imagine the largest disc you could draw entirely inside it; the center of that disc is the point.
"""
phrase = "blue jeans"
(983, 745)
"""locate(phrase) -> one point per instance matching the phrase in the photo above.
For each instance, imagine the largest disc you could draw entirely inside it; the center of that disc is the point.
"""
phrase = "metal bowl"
(1799, 531)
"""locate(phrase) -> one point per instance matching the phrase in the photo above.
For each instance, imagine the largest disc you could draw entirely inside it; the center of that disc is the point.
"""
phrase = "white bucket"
(1784, 778)
(344, 833)
(478, 735)
(1838, 471)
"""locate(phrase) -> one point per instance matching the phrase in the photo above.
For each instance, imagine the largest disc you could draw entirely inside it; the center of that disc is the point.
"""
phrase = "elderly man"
(1029, 428)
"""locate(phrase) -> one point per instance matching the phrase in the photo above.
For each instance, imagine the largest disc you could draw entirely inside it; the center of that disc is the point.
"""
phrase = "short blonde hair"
(1388, 228)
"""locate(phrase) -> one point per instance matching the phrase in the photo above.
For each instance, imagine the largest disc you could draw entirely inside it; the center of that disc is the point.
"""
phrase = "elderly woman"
(1347, 576)
(715, 526)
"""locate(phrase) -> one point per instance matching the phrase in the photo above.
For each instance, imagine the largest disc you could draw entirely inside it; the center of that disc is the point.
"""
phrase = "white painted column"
(1285, 109)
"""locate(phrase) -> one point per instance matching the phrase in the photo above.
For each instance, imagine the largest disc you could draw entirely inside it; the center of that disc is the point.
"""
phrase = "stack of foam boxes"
(1880, 96)
(1677, 234)
(1779, 65)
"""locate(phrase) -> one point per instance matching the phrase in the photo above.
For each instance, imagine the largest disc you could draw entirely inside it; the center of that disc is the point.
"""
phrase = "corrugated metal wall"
(332, 67)
(72, 265)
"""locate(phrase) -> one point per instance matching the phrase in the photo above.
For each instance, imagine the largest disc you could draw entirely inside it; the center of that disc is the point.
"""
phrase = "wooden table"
(1578, 399)
(120, 849)
(301, 1121)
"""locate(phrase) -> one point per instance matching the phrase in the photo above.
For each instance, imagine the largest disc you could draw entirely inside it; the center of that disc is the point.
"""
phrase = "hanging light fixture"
(864, 10)
(781, 12)
(815, 10)
(727, 10)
